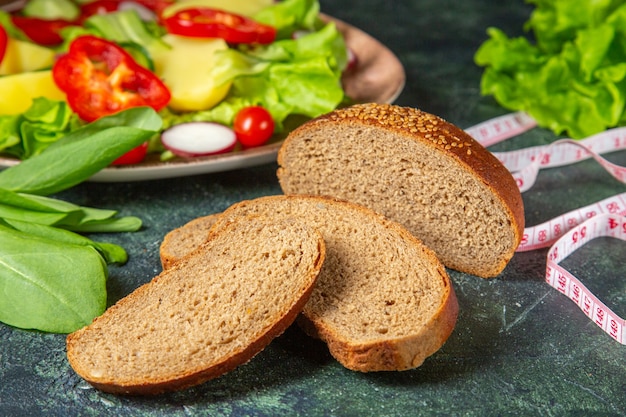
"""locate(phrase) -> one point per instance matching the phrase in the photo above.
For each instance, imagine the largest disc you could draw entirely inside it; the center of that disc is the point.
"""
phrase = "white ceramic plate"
(377, 77)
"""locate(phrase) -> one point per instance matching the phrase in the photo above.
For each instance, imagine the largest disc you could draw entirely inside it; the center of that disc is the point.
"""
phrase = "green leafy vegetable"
(51, 278)
(82, 153)
(112, 253)
(125, 27)
(290, 15)
(28, 134)
(46, 9)
(52, 212)
(49, 285)
(572, 80)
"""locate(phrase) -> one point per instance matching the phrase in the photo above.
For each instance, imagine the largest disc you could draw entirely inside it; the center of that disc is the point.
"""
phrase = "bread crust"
(142, 385)
(387, 353)
(392, 354)
(431, 131)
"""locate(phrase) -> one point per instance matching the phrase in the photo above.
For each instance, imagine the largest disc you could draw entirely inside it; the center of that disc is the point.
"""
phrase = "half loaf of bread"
(416, 169)
(383, 301)
(210, 312)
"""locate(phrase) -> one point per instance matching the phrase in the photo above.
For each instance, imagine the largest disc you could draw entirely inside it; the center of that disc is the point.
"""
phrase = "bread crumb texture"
(211, 311)
(183, 240)
(382, 301)
(418, 170)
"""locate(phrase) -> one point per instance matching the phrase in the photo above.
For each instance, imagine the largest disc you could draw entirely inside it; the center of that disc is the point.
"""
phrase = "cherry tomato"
(134, 156)
(253, 126)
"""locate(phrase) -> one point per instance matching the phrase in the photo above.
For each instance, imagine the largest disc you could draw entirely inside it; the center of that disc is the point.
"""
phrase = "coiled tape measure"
(568, 232)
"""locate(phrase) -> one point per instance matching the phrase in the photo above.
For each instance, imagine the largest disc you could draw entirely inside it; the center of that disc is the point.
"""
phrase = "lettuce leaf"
(572, 79)
(300, 76)
(290, 15)
(30, 133)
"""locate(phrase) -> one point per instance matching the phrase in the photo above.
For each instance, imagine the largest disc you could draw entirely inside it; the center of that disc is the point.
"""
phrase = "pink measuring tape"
(568, 232)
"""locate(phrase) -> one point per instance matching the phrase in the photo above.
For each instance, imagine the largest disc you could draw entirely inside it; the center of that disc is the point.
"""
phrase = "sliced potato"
(186, 69)
(19, 90)
(21, 56)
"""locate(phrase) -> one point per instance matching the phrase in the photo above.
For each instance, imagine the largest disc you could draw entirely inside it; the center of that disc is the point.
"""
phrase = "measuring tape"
(566, 233)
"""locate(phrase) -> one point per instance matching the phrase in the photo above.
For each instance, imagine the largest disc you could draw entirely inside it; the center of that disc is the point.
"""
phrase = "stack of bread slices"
(378, 200)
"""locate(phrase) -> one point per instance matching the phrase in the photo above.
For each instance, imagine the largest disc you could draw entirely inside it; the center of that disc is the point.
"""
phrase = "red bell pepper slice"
(41, 31)
(100, 78)
(134, 156)
(4, 40)
(156, 6)
(202, 22)
(108, 6)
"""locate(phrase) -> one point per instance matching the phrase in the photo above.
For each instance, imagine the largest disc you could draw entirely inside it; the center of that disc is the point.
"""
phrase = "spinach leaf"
(53, 279)
(53, 212)
(82, 153)
(39, 217)
(117, 224)
(64, 284)
(112, 253)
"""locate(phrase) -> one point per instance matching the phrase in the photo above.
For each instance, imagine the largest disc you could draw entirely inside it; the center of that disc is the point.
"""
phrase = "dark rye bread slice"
(383, 301)
(210, 312)
(181, 241)
(416, 169)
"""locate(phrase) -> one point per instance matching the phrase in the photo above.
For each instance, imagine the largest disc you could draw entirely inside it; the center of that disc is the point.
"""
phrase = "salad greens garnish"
(28, 134)
(52, 278)
(288, 77)
(289, 16)
(570, 74)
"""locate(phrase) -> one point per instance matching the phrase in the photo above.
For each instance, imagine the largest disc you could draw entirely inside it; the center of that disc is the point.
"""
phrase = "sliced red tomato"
(41, 31)
(202, 22)
(253, 126)
(3, 42)
(100, 78)
(134, 156)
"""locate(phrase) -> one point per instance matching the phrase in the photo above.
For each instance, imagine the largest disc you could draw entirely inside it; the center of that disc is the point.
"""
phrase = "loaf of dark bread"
(416, 169)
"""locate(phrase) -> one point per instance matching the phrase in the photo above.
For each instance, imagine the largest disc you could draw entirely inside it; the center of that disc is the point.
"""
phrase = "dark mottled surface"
(519, 347)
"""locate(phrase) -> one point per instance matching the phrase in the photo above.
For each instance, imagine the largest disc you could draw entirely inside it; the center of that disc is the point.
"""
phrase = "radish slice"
(193, 139)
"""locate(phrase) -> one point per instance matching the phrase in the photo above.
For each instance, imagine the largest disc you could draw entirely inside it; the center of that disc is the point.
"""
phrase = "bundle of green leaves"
(570, 73)
(52, 277)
